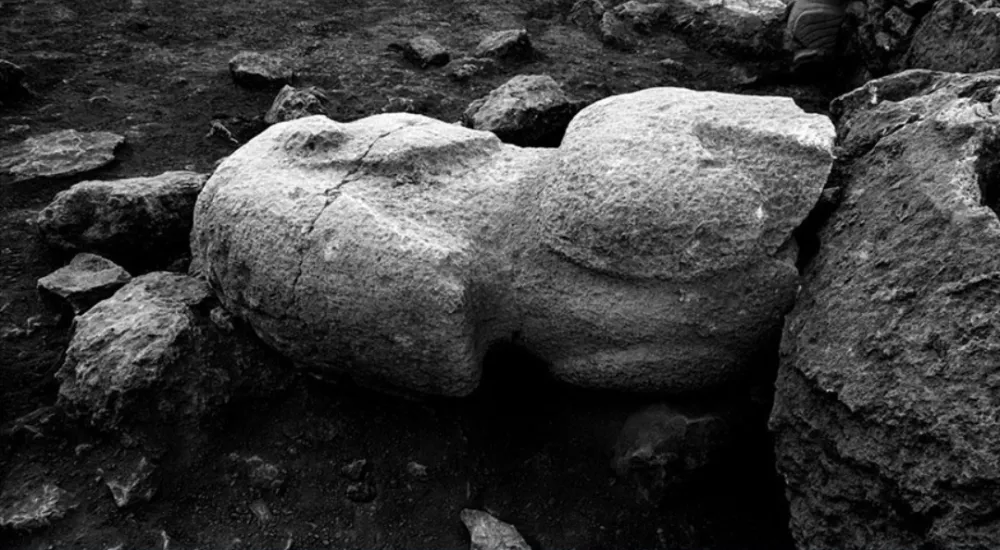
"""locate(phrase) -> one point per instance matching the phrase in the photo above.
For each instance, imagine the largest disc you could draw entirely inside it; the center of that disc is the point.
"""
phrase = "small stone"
(257, 70)
(27, 508)
(527, 110)
(900, 23)
(261, 511)
(465, 68)
(292, 103)
(616, 33)
(134, 485)
(416, 470)
(489, 533)
(87, 279)
(361, 492)
(424, 51)
(355, 471)
(509, 45)
(264, 475)
(59, 154)
(586, 13)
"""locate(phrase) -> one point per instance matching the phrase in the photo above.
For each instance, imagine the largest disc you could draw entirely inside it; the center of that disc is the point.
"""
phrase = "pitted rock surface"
(58, 154)
(396, 248)
(886, 422)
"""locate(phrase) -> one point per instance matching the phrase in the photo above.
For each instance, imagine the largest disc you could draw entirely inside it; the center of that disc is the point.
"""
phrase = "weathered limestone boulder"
(527, 110)
(652, 251)
(58, 154)
(87, 279)
(508, 45)
(152, 358)
(886, 422)
(260, 70)
(135, 221)
(292, 103)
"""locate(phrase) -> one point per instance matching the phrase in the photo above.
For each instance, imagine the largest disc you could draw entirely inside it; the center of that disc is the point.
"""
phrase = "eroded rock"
(489, 533)
(527, 110)
(292, 103)
(424, 51)
(652, 251)
(135, 482)
(885, 418)
(29, 507)
(136, 221)
(87, 279)
(509, 45)
(59, 154)
(259, 70)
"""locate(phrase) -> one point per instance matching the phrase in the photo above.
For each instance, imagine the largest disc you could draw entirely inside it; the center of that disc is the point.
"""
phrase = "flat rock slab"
(58, 154)
(87, 279)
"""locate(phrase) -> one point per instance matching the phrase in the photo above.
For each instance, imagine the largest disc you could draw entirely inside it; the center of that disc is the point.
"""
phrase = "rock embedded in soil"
(886, 418)
(527, 110)
(149, 360)
(257, 70)
(652, 251)
(135, 482)
(462, 69)
(355, 470)
(616, 33)
(32, 506)
(424, 51)
(136, 222)
(292, 103)
(489, 533)
(87, 279)
(59, 154)
(509, 45)
(661, 446)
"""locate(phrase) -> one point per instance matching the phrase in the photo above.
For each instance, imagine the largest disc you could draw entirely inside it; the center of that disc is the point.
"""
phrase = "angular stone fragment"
(87, 279)
(58, 154)
(956, 36)
(259, 70)
(424, 51)
(886, 422)
(135, 221)
(292, 103)
(509, 45)
(527, 110)
(489, 533)
(134, 483)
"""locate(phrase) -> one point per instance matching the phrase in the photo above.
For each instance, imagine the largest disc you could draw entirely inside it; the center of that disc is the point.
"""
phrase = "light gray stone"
(424, 51)
(260, 70)
(33, 506)
(509, 45)
(652, 251)
(292, 103)
(135, 221)
(87, 279)
(135, 483)
(489, 533)
(59, 154)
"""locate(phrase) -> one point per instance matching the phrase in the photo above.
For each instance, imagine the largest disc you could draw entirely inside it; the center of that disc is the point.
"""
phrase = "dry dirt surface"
(532, 452)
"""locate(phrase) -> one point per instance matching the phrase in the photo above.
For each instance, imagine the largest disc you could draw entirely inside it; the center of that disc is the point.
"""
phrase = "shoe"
(813, 28)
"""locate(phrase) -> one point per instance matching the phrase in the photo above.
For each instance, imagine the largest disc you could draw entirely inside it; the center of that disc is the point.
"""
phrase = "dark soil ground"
(534, 453)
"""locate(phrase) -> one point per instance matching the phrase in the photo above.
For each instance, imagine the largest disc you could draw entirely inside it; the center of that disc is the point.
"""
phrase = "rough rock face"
(151, 355)
(489, 533)
(527, 110)
(509, 45)
(136, 221)
(650, 252)
(31, 507)
(87, 279)
(424, 51)
(886, 417)
(62, 153)
(292, 103)
(259, 70)
(942, 35)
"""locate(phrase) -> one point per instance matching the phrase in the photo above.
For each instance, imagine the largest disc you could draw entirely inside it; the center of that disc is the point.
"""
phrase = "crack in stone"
(331, 195)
